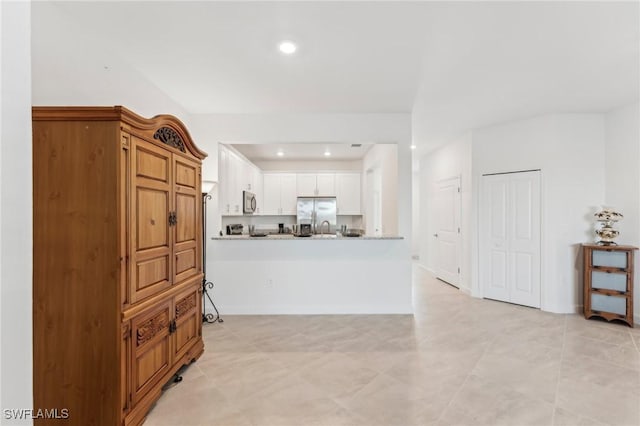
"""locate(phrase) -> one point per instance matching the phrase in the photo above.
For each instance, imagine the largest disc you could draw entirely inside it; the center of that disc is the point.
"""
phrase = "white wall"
(385, 157)
(569, 149)
(622, 179)
(16, 210)
(311, 276)
(415, 214)
(451, 160)
(100, 76)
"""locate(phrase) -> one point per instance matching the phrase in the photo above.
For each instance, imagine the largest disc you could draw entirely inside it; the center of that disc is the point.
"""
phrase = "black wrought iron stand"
(209, 318)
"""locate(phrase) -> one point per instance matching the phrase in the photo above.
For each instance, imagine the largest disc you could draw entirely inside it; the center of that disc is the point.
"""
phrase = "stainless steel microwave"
(248, 202)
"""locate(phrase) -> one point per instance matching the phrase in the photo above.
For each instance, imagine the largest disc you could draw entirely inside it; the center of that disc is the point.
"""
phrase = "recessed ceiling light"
(287, 47)
(280, 153)
(412, 147)
(327, 154)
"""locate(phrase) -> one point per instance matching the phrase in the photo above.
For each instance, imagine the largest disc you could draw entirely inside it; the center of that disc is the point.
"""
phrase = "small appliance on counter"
(305, 230)
(235, 229)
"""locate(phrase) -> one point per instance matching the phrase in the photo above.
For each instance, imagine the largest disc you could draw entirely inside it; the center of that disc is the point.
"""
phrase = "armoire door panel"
(186, 262)
(152, 164)
(152, 273)
(151, 233)
(186, 232)
(152, 220)
(151, 357)
(188, 320)
(187, 217)
(186, 174)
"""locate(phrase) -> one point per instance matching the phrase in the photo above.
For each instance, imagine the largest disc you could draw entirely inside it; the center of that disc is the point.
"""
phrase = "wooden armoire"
(117, 268)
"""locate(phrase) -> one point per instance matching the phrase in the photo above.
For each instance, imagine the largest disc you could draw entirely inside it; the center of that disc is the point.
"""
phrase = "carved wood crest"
(170, 137)
(150, 328)
(185, 305)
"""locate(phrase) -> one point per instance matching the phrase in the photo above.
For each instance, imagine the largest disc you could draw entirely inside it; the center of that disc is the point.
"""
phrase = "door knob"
(435, 235)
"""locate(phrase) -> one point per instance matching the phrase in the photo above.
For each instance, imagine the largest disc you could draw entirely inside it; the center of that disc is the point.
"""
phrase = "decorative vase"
(607, 234)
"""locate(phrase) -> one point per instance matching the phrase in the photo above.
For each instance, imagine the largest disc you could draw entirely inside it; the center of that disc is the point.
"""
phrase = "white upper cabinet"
(306, 183)
(223, 181)
(235, 175)
(316, 184)
(279, 194)
(348, 193)
(326, 184)
(288, 197)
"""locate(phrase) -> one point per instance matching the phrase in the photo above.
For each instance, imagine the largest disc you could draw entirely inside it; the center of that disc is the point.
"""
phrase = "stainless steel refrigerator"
(315, 211)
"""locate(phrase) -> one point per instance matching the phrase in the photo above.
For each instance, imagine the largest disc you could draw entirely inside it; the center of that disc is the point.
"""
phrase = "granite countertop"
(314, 238)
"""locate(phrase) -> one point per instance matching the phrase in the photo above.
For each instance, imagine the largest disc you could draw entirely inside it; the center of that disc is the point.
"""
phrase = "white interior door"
(510, 237)
(447, 233)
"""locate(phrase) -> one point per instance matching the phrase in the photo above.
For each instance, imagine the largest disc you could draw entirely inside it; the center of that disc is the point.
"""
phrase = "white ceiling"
(303, 151)
(454, 65)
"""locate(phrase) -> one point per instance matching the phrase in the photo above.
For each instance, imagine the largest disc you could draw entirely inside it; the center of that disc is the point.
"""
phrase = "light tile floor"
(457, 361)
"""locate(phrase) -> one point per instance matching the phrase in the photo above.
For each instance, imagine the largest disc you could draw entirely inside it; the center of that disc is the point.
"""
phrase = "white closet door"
(494, 252)
(524, 241)
(510, 237)
(447, 233)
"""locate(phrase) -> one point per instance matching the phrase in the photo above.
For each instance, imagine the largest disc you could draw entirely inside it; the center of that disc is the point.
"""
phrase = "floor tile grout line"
(466, 379)
(555, 404)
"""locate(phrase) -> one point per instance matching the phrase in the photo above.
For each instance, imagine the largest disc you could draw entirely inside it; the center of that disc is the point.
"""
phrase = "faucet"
(328, 226)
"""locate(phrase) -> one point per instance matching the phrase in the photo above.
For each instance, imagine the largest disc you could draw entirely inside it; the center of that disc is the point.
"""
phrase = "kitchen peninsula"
(283, 274)
(257, 264)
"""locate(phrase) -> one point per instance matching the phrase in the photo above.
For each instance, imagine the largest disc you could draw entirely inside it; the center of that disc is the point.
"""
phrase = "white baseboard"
(465, 290)
(429, 270)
